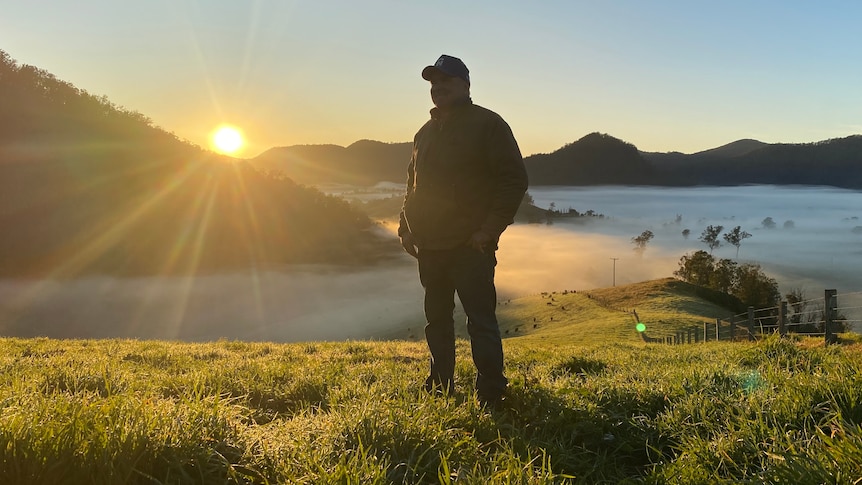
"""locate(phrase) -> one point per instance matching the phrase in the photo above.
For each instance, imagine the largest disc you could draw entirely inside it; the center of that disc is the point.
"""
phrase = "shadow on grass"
(587, 443)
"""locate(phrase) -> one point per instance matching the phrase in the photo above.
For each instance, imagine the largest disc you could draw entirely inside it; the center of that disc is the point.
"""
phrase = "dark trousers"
(470, 274)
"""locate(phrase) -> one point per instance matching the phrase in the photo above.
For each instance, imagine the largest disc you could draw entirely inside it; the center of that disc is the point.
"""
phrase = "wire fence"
(823, 317)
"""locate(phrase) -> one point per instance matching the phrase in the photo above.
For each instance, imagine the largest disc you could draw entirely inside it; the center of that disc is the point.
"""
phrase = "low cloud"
(308, 302)
(536, 258)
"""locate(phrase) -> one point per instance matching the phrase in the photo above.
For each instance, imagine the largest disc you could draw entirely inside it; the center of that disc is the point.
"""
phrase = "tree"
(709, 236)
(735, 238)
(723, 277)
(755, 288)
(768, 223)
(641, 241)
(789, 224)
(685, 233)
(747, 283)
(696, 269)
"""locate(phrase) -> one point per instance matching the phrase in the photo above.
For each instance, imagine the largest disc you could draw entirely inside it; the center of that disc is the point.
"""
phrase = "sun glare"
(227, 139)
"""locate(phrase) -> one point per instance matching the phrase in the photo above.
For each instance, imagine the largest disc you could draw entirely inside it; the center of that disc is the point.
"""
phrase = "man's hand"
(479, 241)
(409, 245)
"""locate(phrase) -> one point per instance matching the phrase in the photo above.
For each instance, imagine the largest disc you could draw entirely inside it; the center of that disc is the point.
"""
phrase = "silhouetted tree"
(686, 233)
(709, 236)
(641, 241)
(768, 223)
(788, 224)
(735, 238)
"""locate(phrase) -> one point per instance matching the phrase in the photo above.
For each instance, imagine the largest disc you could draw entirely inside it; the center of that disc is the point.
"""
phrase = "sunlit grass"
(230, 412)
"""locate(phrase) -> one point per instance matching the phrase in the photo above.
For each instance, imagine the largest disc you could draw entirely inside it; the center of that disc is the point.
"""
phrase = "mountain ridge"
(601, 159)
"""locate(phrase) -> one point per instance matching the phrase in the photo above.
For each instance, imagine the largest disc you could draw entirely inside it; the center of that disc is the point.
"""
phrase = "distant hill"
(734, 149)
(88, 187)
(599, 159)
(365, 162)
(836, 162)
(596, 159)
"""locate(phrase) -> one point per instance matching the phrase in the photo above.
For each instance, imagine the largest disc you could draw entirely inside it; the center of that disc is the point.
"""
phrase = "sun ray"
(191, 274)
(253, 241)
(109, 232)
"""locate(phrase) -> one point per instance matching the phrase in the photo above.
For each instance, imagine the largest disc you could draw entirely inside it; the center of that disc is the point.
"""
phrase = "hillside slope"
(89, 187)
(561, 317)
(364, 162)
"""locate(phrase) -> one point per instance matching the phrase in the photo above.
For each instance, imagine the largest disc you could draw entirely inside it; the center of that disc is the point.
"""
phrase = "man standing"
(465, 181)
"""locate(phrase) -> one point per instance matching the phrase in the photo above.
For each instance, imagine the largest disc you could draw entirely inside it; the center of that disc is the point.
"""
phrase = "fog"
(820, 251)
(303, 303)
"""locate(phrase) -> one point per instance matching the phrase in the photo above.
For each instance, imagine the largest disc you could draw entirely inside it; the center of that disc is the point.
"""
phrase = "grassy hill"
(666, 306)
(88, 187)
(591, 408)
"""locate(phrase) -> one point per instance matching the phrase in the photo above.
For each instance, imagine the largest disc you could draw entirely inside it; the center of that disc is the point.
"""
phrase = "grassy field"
(589, 403)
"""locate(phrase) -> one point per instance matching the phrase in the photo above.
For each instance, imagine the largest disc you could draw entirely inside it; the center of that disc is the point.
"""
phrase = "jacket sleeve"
(511, 179)
(403, 227)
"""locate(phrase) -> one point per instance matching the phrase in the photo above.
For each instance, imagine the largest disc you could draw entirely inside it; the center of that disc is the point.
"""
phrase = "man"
(465, 181)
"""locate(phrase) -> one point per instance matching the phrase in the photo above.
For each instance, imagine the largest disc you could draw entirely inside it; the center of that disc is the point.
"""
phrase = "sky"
(664, 75)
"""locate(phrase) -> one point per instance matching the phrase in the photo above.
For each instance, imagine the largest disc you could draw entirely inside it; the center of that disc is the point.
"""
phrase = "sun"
(227, 139)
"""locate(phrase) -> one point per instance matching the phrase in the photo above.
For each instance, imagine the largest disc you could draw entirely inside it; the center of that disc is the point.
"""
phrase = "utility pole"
(615, 270)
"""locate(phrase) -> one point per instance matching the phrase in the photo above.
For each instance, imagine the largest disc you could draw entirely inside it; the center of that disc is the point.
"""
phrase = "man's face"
(446, 91)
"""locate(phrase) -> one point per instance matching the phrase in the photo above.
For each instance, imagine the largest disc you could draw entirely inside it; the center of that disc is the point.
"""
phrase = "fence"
(781, 319)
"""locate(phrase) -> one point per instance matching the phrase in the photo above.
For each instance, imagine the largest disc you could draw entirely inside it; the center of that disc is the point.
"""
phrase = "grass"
(588, 408)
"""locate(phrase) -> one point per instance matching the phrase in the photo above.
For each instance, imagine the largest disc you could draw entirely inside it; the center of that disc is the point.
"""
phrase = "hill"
(596, 159)
(734, 149)
(365, 162)
(89, 187)
(836, 162)
(666, 306)
(599, 159)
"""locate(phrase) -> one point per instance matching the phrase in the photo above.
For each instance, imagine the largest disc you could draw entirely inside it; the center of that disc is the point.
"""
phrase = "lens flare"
(640, 327)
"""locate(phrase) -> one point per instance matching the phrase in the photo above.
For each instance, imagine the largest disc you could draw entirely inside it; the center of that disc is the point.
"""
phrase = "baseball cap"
(448, 65)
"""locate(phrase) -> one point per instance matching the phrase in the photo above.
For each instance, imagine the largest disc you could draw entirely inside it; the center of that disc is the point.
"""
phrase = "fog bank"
(301, 303)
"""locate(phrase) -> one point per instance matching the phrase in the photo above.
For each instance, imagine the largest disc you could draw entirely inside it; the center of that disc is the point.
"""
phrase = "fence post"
(830, 305)
(705, 330)
(782, 319)
(717, 327)
(732, 327)
(751, 323)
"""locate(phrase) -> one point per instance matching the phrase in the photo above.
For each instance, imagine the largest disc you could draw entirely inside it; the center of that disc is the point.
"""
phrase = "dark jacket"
(466, 175)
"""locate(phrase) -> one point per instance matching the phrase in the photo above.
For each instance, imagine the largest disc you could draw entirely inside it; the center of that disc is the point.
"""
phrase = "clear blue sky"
(663, 75)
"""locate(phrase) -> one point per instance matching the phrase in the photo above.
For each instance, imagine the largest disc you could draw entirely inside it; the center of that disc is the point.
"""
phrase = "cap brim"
(430, 72)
